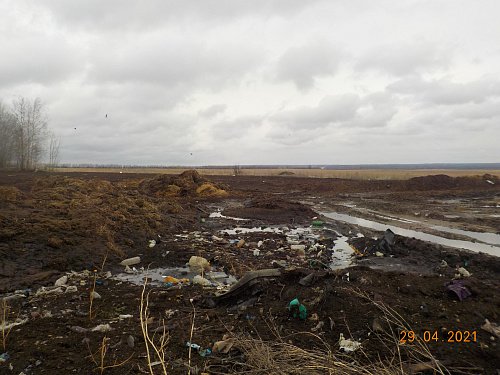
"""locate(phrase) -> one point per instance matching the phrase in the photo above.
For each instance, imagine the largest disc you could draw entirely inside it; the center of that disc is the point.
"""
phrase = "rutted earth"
(82, 225)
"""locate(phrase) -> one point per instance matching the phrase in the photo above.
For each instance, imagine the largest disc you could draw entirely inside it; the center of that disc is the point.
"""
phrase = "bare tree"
(31, 123)
(7, 136)
(54, 144)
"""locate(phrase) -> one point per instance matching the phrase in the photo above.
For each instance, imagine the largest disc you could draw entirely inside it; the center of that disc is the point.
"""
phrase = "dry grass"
(361, 174)
(280, 357)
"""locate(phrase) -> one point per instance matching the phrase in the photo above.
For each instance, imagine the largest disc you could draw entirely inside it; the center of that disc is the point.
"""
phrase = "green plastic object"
(302, 309)
(317, 223)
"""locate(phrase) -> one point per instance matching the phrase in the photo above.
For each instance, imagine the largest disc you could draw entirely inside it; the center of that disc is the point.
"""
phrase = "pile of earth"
(272, 210)
(188, 184)
(58, 223)
(444, 182)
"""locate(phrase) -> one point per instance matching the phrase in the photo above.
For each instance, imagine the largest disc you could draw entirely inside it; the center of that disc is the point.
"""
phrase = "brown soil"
(84, 224)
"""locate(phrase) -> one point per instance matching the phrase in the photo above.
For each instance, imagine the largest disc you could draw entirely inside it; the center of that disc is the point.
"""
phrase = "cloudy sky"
(228, 82)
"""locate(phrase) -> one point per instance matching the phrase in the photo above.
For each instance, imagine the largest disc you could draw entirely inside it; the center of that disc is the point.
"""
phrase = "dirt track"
(54, 224)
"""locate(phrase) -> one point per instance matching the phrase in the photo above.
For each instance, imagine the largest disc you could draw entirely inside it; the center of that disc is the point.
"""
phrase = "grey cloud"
(445, 92)
(40, 60)
(303, 64)
(157, 60)
(330, 110)
(404, 58)
(236, 128)
(212, 110)
(113, 16)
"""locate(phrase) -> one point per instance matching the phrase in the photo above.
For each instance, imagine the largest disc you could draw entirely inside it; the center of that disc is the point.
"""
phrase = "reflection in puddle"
(468, 245)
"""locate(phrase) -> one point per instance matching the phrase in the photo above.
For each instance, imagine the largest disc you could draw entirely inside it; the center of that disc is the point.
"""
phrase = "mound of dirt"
(436, 182)
(10, 193)
(188, 184)
(444, 182)
(273, 211)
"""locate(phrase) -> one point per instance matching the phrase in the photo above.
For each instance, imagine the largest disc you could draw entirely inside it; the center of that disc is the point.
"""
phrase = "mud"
(84, 224)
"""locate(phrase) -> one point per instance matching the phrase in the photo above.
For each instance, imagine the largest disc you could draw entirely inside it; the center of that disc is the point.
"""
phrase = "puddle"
(342, 255)
(488, 248)
(157, 276)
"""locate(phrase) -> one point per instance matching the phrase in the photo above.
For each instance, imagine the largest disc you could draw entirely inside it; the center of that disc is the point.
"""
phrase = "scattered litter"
(317, 223)
(95, 295)
(125, 316)
(348, 345)
(223, 346)
(202, 281)
(61, 281)
(490, 182)
(318, 326)
(131, 261)
(385, 244)
(196, 264)
(71, 289)
(463, 272)
(152, 243)
(102, 328)
(4, 357)
(309, 279)
(491, 328)
(379, 254)
(201, 352)
(256, 252)
(458, 288)
(297, 309)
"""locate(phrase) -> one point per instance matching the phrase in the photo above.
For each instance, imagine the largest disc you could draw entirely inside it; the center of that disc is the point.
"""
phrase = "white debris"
(348, 345)
(131, 261)
(96, 295)
(71, 289)
(61, 281)
(463, 272)
(490, 182)
(152, 243)
(202, 281)
(102, 328)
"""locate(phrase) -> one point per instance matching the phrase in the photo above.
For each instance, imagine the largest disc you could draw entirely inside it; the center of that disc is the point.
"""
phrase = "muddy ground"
(82, 225)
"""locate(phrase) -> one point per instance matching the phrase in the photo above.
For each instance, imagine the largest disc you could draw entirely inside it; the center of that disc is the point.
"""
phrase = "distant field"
(356, 174)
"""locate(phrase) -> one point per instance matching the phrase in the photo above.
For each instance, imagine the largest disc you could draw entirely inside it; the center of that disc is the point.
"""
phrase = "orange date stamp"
(434, 336)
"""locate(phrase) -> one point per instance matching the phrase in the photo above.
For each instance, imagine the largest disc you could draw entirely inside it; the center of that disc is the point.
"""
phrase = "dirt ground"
(400, 308)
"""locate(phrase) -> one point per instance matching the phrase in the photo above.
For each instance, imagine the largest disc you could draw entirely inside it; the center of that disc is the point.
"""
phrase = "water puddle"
(342, 255)
(488, 248)
(156, 276)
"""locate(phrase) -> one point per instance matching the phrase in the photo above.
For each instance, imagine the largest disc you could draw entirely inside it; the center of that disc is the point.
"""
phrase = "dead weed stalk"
(99, 356)
(154, 344)
(6, 327)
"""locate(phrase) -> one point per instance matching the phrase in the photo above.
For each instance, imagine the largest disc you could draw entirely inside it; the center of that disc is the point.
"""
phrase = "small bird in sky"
(106, 115)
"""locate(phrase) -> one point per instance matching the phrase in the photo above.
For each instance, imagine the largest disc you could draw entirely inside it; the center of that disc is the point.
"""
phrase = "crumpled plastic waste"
(491, 328)
(348, 345)
(297, 309)
(201, 352)
(458, 288)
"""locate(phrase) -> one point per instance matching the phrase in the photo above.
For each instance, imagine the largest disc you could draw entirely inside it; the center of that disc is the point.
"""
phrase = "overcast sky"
(230, 82)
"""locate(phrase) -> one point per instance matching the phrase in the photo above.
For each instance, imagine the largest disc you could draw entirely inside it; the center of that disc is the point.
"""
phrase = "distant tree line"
(25, 136)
